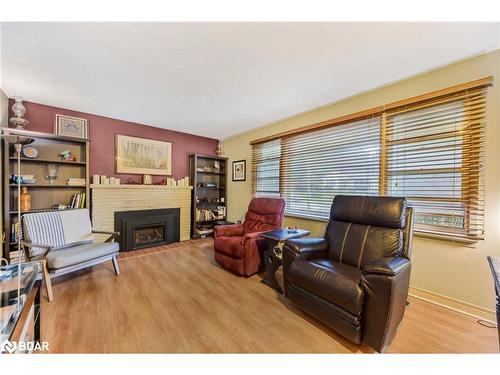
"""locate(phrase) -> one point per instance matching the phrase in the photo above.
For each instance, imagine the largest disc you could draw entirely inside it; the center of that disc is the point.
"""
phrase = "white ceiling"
(221, 79)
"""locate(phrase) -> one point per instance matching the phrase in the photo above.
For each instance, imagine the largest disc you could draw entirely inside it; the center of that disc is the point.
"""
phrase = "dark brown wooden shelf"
(215, 173)
(199, 235)
(48, 161)
(211, 157)
(41, 210)
(49, 136)
(210, 221)
(50, 186)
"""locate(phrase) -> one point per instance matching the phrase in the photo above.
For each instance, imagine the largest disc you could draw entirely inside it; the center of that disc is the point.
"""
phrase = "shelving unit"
(208, 202)
(43, 195)
(48, 185)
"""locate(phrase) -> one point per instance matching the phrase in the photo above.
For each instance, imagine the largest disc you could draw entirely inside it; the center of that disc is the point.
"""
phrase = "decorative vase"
(25, 199)
(19, 111)
(220, 150)
(52, 173)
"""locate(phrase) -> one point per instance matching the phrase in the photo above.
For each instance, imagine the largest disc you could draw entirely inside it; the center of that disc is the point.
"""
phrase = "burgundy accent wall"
(102, 131)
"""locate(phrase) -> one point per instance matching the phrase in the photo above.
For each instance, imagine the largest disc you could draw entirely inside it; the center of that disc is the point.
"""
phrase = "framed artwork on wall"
(136, 155)
(239, 170)
(71, 126)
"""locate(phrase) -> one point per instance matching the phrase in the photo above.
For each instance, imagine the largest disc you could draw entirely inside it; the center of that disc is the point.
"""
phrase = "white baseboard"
(466, 308)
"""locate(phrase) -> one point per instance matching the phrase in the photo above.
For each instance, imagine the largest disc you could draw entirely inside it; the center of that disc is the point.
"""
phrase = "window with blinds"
(430, 150)
(266, 169)
(434, 157)
(318, 165)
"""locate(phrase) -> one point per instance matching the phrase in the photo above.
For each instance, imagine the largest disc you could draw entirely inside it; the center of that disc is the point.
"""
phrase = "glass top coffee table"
(17, 285)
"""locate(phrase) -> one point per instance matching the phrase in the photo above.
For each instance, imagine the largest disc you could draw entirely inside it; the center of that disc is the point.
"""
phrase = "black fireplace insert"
(147, 228)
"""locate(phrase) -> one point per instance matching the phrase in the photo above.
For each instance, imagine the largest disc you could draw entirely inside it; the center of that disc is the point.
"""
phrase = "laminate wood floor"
(178, 300)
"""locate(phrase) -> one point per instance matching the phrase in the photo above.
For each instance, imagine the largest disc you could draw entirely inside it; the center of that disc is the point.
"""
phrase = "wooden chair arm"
(29, 244)
(112, 236)
(106, 232)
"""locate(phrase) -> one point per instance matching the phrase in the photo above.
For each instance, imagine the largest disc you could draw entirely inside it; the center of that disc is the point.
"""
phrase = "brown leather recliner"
(356, 279)
(238, 247)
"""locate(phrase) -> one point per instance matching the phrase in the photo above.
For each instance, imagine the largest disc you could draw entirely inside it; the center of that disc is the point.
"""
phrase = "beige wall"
(453, 271)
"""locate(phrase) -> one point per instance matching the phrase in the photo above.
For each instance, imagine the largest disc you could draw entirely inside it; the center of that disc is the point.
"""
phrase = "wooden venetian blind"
(428, 148)
(317, 165)
(266, 168)
(433, 155)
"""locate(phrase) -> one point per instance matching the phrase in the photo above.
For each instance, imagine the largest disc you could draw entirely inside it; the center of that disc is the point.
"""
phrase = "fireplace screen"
(148, 235)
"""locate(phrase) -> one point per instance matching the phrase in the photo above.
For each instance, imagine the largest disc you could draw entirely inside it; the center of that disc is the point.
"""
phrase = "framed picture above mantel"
(136, 155)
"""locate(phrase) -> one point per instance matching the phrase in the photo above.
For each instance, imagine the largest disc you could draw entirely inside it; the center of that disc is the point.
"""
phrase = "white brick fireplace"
(108, 199)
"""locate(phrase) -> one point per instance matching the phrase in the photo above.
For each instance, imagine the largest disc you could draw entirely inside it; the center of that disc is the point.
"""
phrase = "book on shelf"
(14, 256)
(202, 232)
(25, 179)
(14, 232)
(77, 201)
(76, 181)
(207, 214)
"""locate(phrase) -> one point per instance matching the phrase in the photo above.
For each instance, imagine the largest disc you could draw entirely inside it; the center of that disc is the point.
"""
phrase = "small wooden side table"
(273, 255)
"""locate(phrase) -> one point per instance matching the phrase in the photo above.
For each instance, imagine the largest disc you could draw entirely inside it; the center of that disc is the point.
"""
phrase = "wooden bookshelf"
(207, 199)
(43, 194)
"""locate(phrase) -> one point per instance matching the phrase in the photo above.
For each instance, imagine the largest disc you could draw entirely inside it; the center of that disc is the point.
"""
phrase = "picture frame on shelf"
(239, 170)
(134, 155)
(70, 126)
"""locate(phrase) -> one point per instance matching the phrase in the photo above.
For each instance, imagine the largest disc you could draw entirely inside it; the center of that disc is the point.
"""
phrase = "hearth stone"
(146, 228)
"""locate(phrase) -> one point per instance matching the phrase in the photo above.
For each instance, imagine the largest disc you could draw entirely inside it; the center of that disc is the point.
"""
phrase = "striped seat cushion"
(57, 229)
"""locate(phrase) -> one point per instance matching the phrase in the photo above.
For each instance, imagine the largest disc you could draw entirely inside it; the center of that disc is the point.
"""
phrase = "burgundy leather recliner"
(237, 247)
